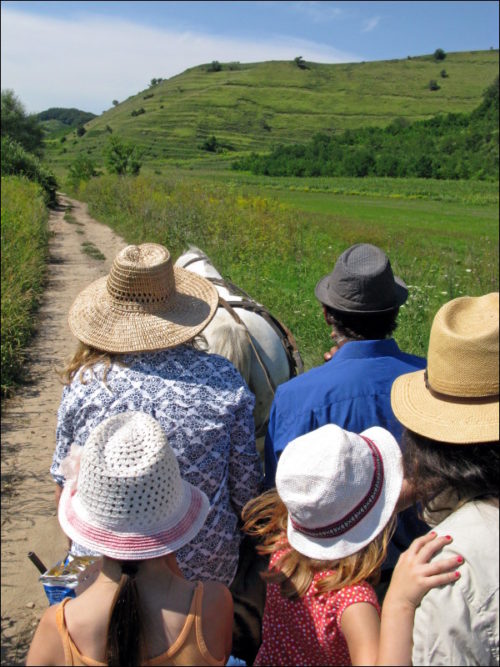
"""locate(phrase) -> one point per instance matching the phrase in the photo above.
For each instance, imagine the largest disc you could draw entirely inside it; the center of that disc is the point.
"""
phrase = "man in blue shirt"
(361, 299)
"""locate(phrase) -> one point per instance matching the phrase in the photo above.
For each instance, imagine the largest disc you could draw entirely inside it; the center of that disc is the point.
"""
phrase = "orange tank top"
(188, 649)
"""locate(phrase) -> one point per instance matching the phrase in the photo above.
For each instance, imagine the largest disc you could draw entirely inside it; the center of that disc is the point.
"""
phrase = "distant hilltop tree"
(214, 66)
(155, 82)
(300, 62)
(71, 117)
(439, 54)
(115, 103)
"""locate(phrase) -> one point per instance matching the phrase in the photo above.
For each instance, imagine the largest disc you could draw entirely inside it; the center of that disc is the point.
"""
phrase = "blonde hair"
(265, 518)
(85, 358)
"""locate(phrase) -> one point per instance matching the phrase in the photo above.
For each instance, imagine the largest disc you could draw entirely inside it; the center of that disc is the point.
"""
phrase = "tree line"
(451, 146)
(22, 146)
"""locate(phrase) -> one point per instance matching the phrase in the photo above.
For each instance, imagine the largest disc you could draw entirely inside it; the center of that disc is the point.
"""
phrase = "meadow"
(277, 241)
(24, 256)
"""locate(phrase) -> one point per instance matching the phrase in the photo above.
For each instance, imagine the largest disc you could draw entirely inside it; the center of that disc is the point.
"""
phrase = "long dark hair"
(125, 635)
(459, 472)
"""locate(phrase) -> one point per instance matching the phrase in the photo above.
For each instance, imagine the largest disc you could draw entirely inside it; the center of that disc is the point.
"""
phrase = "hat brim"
(159, 540)
(98, 320)
(445, 419)
(325, 295)
(374, 521)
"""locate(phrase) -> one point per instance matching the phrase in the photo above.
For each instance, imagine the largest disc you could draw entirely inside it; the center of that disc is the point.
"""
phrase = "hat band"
(484, 398)
(362, 508)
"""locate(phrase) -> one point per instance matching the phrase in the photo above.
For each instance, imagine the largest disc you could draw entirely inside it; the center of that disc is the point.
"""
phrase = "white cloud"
(318, 11)
(88, 62)
(370, 24)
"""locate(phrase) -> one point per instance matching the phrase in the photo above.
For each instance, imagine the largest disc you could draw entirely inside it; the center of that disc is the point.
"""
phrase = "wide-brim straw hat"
(455, 400)
(340, 489)
(128, 500)
(144, 304)
(362, 282)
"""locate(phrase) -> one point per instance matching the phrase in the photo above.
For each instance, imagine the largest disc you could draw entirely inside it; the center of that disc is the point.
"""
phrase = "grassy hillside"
(251, 107)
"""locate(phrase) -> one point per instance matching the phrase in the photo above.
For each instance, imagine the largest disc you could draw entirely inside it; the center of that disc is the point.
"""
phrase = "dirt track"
(28, 427)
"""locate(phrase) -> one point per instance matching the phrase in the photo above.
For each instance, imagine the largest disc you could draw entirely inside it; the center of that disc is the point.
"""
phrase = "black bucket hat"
(362, 281)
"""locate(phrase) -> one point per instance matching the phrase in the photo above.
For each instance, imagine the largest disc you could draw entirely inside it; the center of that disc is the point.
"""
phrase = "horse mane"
(230, 340)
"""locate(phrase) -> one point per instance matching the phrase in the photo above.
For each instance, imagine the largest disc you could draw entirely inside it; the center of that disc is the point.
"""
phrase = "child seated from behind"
(326, 527)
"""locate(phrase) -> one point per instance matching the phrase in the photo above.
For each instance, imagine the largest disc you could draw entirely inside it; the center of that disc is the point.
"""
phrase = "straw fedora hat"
(145, 303)
(128, 500)
(362, 281)
(340, 489)
(455, 400)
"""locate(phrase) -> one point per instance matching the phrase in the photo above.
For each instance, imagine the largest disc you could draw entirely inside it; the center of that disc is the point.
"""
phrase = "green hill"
(57, 121)
(446, 146)
(253, 107)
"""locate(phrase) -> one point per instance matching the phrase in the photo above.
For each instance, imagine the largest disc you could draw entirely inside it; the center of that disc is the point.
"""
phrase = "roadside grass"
(24, 239)
(276, 245)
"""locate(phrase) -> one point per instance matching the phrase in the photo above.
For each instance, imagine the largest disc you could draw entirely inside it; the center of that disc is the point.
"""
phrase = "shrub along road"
(29, 521)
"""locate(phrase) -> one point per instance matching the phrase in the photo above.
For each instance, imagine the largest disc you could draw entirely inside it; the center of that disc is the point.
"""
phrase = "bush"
(433, 85)
(444, 74)
(80, 131)
(138, 112)
(16, 161)
(211, 144)
(81, 169)
(214, 66)
(121, 157)
(439, 54)
(300, 62)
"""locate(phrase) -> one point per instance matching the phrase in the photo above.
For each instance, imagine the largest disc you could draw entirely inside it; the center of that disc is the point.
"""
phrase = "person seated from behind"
(124, 497)
(360, 298)
(451, 462)
(138, 329)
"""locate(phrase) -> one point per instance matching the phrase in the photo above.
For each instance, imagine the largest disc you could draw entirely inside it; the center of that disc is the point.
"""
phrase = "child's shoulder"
(353, 593)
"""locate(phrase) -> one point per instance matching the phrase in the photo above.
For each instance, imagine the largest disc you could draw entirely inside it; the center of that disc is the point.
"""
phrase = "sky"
(87, 54)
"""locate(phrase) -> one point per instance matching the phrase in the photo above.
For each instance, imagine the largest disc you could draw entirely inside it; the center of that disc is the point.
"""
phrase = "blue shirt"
(352, 390)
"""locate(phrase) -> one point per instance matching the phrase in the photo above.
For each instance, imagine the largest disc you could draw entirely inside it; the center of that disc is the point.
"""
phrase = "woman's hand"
(414, 575)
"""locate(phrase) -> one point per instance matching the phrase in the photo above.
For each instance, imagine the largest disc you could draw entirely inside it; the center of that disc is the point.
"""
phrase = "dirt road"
(28, 427)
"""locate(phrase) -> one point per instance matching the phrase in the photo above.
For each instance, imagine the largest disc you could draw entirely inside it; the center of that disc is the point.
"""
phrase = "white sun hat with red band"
(128, 500)
(340, 489)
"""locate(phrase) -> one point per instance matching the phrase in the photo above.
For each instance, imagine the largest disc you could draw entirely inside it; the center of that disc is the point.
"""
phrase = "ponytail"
(124, 644)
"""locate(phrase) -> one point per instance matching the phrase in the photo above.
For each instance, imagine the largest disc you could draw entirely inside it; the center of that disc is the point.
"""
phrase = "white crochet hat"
(340, 489)
(129, 501)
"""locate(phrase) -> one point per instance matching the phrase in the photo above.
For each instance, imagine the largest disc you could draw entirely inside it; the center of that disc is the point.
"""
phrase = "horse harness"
(295, 363)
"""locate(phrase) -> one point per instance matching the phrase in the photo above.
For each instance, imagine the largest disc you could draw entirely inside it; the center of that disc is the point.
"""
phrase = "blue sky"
(85, 54)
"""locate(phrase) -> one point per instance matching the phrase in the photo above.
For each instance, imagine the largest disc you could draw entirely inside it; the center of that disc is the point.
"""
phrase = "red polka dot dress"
(306, 631)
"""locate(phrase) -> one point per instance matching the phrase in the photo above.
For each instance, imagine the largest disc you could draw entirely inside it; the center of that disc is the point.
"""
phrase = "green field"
(276, 243)
(256, 106)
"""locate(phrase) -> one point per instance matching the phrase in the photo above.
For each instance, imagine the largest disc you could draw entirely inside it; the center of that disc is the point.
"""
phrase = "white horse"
(243, 331)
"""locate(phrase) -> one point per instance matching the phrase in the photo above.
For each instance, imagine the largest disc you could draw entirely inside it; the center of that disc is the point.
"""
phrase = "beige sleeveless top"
(188, 649)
